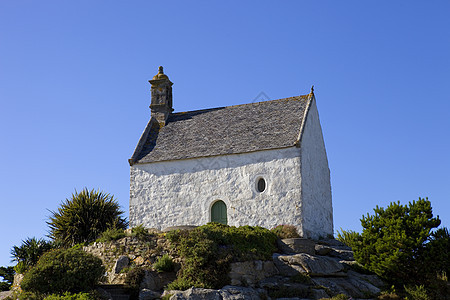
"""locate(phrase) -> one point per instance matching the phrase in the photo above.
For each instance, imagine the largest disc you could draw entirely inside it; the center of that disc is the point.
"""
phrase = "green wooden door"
(219, 212)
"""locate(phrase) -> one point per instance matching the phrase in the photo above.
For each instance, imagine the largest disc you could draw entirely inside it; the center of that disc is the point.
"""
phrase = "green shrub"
(184, 283)
(200, 267)
(84, 217)
(244, 242)
(166, 297)
(26, 296)
(133, 281)
(357, 267)
(389, 296)
(134, 277)
(164, 264)
(417, 292)
(438, 287)
(64, 270)
(338, 297)
(4, 286)
(71, 296)
(7, 273)
(442, 275)
(285, 231)
(348, 237)
(301, 278)
(208, 250)
(140, 232)
(111, 234)
(27, 254)
(436, 253)
(393, 240)
(21, 268)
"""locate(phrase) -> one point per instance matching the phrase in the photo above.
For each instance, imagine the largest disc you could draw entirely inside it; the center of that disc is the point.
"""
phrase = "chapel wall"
(173, 193)
(316, 186)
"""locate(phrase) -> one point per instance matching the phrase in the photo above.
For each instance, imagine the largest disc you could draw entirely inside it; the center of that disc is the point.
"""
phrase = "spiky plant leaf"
(29, 252)
(84, 216)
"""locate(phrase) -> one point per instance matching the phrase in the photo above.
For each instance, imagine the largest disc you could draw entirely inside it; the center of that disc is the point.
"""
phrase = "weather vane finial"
(312, 89)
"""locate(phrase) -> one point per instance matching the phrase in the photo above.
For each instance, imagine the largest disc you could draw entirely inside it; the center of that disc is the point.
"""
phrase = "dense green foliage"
(111, 234)
(133, 280)
(436, 254)
(71, 296)
(417, 292)
(348, 237)
(134, 277)
(93, 295)
(399, 245)
(7, 273)
(84, 217)
(63, 270)
(435, 264)
(393, 240)
(164, 264)
(27, 254)
(208, 250)
(285, 231)
(140, 232)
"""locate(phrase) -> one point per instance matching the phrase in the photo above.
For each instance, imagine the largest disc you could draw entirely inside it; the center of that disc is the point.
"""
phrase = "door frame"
(212, 204)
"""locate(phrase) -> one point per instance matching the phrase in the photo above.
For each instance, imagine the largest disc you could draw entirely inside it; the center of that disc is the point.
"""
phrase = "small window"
(261, 185)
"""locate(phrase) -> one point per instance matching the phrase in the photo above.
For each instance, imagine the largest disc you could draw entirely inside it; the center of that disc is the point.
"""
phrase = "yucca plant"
(84, 217)
(27, 254)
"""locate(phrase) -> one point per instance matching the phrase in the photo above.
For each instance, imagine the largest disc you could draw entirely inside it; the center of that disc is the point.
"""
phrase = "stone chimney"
(161, 104)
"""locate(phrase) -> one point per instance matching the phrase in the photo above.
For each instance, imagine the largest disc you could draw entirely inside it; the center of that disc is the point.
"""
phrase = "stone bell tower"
(161, 103)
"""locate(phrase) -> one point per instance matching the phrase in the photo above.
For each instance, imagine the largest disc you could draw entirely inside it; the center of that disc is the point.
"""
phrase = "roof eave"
(142, 140)
(197, 157)
(311, 98)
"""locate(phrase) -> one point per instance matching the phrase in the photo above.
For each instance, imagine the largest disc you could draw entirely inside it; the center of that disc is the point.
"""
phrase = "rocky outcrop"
(5, 294)
(297, 245)
(249, 273)
(17, 281)
(304, 269)
(147, 294)
(354, 285)
(323, 272)
(226, 293)
(122, 262)
(120, 255)
(291, 265)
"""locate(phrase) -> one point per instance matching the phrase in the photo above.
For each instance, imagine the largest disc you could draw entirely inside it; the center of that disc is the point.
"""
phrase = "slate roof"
(224, 130)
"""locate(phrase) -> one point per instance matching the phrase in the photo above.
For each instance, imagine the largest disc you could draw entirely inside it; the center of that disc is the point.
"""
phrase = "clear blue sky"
(74, 93)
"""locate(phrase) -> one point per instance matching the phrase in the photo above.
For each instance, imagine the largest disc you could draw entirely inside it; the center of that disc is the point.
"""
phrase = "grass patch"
(208, 250)
(285, 231)
(164, 264)
(111, 234)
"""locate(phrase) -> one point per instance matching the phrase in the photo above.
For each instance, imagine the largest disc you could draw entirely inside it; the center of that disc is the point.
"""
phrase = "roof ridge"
(235, 129)
(243, 104)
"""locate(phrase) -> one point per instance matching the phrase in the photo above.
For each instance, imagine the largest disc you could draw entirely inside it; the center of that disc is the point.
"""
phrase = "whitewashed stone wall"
(317, 212)
(182, 192)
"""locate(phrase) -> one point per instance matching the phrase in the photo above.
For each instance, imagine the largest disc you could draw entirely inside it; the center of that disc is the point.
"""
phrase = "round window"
(261, 185)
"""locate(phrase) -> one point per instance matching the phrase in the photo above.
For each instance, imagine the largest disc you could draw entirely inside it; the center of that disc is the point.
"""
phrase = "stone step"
(117, 291)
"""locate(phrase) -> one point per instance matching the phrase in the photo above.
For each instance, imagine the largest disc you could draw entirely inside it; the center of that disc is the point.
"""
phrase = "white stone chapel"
(259, 164)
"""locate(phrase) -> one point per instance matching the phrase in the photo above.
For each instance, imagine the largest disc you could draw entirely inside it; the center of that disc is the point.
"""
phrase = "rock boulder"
(289, 265)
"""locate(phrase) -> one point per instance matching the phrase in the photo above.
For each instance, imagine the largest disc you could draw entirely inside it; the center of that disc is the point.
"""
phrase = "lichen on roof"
(225, 130)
